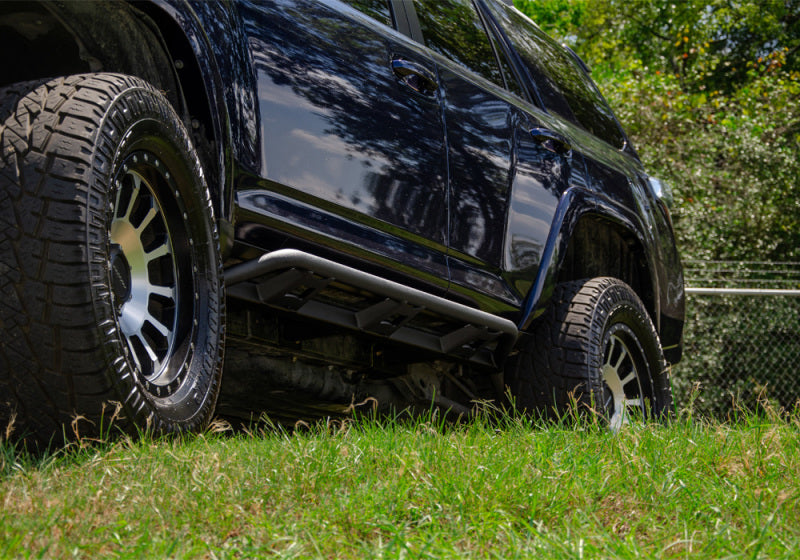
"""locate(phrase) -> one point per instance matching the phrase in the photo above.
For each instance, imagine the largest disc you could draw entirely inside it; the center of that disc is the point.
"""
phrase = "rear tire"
(595, 346)
(111, 286)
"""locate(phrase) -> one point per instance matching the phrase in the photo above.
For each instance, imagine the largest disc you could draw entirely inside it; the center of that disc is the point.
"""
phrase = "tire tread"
(49, 359)
(560, 364)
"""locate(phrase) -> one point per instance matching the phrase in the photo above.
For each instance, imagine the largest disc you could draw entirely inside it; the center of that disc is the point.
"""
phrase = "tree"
(709, 91)
(705, 44)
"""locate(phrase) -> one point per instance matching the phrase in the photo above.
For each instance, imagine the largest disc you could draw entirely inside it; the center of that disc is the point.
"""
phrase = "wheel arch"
(164, 43)
(592, 237)
(602, 246)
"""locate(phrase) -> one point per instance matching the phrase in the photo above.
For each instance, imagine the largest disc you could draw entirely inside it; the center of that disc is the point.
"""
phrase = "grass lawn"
(417, 489)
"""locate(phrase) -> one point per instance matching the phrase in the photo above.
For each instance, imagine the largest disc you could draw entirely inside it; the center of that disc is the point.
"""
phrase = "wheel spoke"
(149, 308)
(161, 250)
(152, 213)
(624, 392)
(148, 349)
(158, 325)
(135, 355)
(631, 377)
(623, 354)
(617, 420)
(612, 344)
(135, 190)
(167, 292)
(118, 202)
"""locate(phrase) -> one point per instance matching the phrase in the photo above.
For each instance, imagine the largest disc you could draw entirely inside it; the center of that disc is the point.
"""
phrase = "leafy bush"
(709, 93)
(734, 160)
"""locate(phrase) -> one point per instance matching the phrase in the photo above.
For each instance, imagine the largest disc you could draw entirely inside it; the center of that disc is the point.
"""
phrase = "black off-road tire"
(595, 346)
(110, 270)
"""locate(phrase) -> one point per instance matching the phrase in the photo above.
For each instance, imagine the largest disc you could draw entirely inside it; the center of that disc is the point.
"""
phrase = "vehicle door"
(506, 166)
(352, 144)
(605, 166)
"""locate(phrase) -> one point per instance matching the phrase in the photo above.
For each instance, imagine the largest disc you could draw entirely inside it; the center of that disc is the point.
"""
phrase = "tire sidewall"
(620, 312)
(560, 362)
(139, 119)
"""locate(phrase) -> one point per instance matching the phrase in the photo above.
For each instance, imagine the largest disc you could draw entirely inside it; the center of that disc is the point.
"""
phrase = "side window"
(512, 84)
(376, 9)
(454, 29)
(564, 87)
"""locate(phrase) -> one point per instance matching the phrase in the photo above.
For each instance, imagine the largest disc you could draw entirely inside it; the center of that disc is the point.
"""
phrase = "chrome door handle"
(551, 141)
(415, 76)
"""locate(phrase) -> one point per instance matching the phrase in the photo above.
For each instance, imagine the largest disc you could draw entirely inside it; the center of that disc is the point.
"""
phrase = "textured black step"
(324, 290)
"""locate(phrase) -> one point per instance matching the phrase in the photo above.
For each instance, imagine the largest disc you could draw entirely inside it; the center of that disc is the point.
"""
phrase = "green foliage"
(559, 18)
(703, 43)
(709, 92)
(733, 158)
(741, 351)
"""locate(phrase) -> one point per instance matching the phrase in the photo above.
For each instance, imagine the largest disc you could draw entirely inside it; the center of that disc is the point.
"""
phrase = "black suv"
(378, 203)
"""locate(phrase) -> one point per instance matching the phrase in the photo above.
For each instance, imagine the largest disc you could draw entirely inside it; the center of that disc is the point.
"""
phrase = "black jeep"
(383, 203)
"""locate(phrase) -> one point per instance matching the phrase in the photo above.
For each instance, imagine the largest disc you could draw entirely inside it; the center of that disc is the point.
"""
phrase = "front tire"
(595, 346)
(112, 288)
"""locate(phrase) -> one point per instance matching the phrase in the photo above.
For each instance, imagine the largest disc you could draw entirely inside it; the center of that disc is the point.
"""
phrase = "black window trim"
(409, 25)
(405, 17)
(529, 82)
(498, 38)
(522, 75)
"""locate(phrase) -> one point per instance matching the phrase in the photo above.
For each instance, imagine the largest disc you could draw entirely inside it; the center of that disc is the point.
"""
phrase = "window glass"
(512, 84)
(376, 9)
(454, 29)
(564, 87)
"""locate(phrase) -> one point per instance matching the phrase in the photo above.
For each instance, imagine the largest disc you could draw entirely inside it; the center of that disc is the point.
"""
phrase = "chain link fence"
(742, 338)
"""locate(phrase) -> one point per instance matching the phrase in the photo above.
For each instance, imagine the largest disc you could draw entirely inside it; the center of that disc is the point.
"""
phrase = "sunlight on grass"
(504, 487)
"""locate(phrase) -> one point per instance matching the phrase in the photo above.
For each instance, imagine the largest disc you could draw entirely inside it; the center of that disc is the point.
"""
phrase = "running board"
(323, 290)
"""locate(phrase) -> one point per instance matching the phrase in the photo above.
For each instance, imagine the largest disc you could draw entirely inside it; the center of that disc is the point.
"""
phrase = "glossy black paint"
(490, 227)
(345, 144)
(326, 130)
(504, 188)
(209, 39)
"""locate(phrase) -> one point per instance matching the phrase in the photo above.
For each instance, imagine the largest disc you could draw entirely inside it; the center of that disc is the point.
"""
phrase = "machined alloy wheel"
(147, 283)
(114, 296)
(621, 370)
(596, 346)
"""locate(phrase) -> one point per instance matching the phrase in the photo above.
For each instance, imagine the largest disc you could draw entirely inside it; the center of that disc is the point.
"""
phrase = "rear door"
(352, 144)
(506, 168)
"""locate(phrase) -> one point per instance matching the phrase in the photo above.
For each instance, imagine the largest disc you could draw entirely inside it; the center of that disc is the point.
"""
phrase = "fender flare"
(229, 89)
(575, 204)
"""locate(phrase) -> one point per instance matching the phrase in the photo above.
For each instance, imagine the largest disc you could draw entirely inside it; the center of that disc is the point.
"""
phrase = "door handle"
(415, 76)
(551, 141)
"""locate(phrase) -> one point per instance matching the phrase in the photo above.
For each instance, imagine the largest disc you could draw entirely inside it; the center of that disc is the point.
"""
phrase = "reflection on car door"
(505, 186)
(504, 180)
(352, 157)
